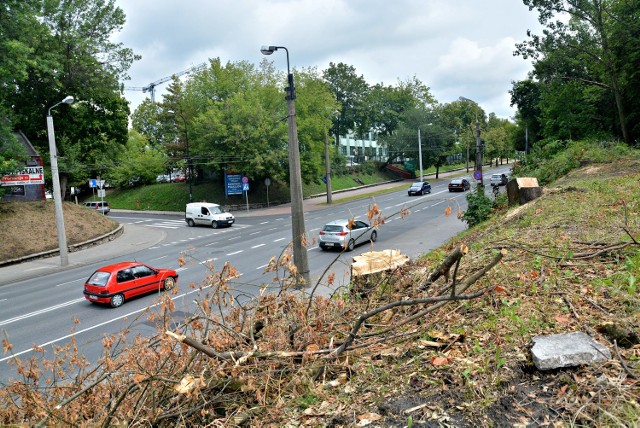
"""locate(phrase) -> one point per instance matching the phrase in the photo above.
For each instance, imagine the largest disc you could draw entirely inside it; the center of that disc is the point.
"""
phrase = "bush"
(479, 207)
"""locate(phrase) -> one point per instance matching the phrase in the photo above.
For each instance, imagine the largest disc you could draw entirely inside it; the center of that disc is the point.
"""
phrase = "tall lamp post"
(57, 194)
(295, 177)
(478, 144)
(189, 165)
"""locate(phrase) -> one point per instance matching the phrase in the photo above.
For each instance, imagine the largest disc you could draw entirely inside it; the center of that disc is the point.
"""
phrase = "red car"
(114, 283)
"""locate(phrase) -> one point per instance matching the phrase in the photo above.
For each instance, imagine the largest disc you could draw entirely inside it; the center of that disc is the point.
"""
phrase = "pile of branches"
(233, 364)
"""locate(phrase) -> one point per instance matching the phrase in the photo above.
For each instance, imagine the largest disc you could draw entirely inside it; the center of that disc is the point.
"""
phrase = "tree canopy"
(585, 80)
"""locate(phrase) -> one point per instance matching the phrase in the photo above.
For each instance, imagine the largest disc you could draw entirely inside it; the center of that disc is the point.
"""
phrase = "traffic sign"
(477, 175)
(245, 179)
(245, 187)
(93, 183)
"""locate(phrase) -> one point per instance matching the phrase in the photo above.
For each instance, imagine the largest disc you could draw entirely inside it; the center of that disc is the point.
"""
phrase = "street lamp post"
(189, 165)
(57, 193)
(478, 145)
(295, 177)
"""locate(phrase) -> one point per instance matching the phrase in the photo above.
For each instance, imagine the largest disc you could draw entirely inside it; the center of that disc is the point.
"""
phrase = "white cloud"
(457, 48)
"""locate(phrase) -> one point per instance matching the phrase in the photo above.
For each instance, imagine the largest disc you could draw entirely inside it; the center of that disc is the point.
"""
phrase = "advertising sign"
(29, 175)
(233, 184)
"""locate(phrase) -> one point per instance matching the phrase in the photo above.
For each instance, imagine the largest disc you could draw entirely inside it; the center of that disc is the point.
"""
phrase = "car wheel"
(116, 301)
(351, 245)
(169, 283)
(190, 223)
(323, 248)
(422, 193)
(374, 236)
(214, 224)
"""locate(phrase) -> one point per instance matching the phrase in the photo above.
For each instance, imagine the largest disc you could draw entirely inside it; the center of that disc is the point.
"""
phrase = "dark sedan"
(419, 188)
(459, 185)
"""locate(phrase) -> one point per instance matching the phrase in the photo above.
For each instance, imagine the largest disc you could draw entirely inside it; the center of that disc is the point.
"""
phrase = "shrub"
(479, 207)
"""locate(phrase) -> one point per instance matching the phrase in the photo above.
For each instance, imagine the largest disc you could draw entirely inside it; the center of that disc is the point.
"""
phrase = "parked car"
(100, 206)
(419, 188)
(499, 179)
(459, 184)
(338, 234)
(207, 214)
(113, 284)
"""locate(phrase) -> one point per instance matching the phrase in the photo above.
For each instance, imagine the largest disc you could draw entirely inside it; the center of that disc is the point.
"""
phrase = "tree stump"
(522, 190)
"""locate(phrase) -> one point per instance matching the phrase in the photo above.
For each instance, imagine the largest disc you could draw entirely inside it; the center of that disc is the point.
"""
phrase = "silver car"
(337, 234)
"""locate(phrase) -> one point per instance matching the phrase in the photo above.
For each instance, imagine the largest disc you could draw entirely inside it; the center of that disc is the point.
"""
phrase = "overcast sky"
(455, 47)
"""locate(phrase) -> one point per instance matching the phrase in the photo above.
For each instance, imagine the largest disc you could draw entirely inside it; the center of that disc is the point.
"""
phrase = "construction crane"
(151, 87)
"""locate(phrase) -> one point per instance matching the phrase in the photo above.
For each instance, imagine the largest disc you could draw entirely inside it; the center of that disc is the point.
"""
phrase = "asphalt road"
(45, 307)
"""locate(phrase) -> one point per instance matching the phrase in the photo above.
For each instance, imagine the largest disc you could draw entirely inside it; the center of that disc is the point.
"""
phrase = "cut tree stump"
(522, 190)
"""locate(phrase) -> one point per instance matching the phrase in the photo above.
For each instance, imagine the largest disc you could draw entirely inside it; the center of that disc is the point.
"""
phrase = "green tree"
(350, 92)
(137, 162)
(66, 50)
(589, 54)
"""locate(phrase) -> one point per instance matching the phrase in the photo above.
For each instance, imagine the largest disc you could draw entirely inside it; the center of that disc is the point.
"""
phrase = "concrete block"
(566, 350)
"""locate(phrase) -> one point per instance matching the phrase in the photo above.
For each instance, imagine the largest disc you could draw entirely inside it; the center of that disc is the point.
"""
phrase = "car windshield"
(332, 228)
(416, 185)
(215, 210)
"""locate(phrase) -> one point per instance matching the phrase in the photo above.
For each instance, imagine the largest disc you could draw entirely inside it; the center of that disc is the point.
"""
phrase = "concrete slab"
(567, 350)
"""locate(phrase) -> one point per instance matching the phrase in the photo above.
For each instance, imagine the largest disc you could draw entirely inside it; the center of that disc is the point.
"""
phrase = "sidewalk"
(136, 238)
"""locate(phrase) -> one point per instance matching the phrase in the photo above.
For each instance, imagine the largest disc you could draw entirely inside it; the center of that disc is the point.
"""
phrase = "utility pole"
(327, 168)
(479, 152)
(300, 258)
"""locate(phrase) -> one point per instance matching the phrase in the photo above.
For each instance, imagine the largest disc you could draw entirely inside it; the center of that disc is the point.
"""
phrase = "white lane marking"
(262, 267)
(234, 237)
(213, 243)
(257, 246)
(279, 239)
(234, 253)
(40, 311)
(208, 260)
(254, 233)
(264, 222)
(71, 282)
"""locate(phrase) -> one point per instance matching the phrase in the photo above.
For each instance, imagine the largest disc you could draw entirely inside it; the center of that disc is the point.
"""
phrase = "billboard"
(29, 175)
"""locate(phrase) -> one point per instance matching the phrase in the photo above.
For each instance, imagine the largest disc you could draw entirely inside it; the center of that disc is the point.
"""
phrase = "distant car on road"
(499, 179)
(459, 185)
(113, 284)
(100, 206)
(419, 188)
(343, 236)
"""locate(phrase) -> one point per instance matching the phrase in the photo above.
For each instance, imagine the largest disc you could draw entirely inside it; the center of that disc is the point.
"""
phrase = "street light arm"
(67, 100)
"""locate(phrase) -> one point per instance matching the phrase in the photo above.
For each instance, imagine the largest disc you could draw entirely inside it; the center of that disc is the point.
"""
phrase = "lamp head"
(268, 50)
(68, 99)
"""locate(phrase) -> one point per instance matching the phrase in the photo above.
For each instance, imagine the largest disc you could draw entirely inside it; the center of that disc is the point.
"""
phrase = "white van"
(208, 214)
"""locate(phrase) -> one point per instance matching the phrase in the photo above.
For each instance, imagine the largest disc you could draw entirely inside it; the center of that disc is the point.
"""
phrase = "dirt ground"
(30, 227)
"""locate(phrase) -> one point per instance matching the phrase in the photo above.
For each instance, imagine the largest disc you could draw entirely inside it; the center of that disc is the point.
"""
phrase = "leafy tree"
(137, 162)
(590, 55)
(350, 92)
(65, 49)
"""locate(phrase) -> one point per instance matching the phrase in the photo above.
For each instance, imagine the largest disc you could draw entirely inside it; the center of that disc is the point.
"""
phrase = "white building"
(359, 151)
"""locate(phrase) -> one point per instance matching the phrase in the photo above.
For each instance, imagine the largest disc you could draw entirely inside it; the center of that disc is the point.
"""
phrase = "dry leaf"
(439, 361)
